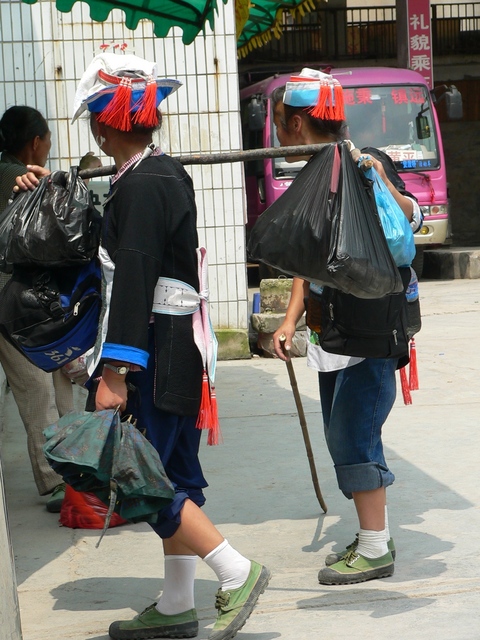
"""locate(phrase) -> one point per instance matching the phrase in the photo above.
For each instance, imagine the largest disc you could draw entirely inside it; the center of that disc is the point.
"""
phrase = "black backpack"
(52, 315)
(373, 328)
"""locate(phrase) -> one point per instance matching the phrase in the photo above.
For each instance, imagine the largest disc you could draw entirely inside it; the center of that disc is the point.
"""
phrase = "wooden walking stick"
(303, 424)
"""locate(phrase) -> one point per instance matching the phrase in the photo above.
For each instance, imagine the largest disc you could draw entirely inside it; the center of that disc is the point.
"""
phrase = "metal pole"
(10, 628)
(228, 156)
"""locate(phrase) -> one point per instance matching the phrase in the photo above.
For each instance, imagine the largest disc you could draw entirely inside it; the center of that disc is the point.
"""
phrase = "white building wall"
(43, 54)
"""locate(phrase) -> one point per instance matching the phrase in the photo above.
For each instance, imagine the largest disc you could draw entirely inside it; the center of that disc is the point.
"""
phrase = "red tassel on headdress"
(208, 412)
(413, 381)
(330, 104)
(117, 112)
(146, 114)
(320, 110)
(407, 398)
(339, 102)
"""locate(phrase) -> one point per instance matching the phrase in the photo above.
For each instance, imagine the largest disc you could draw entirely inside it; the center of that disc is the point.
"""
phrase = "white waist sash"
(177, 298)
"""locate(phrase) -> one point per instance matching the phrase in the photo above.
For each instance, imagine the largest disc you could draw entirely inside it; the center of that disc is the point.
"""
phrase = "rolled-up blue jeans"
(355, 403)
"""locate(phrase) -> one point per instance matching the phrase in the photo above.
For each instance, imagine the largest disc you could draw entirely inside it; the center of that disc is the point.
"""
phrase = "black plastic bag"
(325, 228)
(54, 225)
(293, 234)
(360, 262)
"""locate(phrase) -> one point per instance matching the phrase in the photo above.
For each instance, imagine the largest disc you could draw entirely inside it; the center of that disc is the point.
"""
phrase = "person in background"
(89, 161)
(150, 236)
(41, 397)
(356, 394)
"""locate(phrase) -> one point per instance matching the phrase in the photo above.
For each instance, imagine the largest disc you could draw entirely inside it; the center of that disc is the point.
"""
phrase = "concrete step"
(450, 263)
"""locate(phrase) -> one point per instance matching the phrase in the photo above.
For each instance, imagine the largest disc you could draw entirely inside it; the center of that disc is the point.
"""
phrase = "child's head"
(89, 161)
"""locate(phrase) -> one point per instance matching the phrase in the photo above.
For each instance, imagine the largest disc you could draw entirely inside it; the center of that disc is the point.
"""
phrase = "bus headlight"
(435, 210)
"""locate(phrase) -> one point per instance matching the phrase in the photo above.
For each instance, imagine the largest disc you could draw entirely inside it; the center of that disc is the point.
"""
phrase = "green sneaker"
(235, 606)
(153, 624)
(332, 558)
(353, 568)
(54, 502)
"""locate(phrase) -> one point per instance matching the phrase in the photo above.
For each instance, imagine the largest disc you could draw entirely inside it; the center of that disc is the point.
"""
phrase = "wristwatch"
(121, 370)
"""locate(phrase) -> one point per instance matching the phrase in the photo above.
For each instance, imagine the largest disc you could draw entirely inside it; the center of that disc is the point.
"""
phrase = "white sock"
(387, 528)
(178, 592)
(372, 544)
(231, 567)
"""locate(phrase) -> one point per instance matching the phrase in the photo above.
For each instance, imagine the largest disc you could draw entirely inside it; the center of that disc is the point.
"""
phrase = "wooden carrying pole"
(228, 156)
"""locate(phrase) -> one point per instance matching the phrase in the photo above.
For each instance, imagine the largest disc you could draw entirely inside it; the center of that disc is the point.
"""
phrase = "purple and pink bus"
(388, 108)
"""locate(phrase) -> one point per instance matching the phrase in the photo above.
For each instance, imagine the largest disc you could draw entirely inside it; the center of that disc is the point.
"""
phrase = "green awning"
(189, 15)
(265, 20)
(257, 21)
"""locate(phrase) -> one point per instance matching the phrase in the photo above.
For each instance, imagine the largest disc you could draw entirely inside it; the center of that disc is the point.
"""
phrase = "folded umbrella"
(99, 453)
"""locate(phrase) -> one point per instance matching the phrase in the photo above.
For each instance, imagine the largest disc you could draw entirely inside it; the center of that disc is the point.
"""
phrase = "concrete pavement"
(262, 499)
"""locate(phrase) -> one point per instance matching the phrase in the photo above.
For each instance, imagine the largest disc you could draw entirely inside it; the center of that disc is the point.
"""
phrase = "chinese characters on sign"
(399, 95)
(420, 39)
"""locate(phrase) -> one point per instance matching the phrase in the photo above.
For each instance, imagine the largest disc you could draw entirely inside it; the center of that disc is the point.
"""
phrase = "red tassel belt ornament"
(206, 342)
(410, 383)
(407, 396)
(413, 377)
(208, 412)
(174, 297)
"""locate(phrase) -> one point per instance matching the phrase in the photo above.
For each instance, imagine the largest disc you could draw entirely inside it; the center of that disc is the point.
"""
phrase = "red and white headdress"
(123, 89)
(320, 93)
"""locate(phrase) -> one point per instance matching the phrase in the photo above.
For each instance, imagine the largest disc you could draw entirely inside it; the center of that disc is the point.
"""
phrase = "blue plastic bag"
(395, 224)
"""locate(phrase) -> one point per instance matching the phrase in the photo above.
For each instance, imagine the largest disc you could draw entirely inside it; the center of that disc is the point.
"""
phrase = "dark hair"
(136, 128)
(18, 126)
(334, 128)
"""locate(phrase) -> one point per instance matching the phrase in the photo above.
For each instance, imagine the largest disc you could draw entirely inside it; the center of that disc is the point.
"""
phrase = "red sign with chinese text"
(399, 95)
(420, 39)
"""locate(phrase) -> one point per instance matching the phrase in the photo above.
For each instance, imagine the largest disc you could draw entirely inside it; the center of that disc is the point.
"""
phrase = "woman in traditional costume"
(357, 394)
(156, 335)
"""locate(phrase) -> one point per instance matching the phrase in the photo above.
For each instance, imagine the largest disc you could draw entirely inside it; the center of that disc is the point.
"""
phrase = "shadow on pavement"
(259, 475)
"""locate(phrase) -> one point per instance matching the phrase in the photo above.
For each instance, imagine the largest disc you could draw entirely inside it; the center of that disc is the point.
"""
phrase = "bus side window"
(253, 140)
(254, 169)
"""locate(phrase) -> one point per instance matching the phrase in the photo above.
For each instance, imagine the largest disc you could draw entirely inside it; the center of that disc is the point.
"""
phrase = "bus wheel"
(418, 261)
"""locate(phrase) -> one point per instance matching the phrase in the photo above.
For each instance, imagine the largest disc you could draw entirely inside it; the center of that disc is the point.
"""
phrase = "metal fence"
(368, 33)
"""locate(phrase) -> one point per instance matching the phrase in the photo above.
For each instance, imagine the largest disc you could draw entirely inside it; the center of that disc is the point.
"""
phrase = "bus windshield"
(395, 119)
